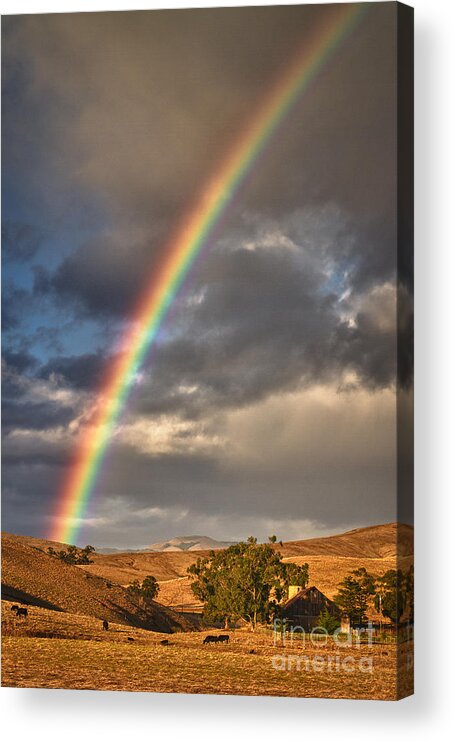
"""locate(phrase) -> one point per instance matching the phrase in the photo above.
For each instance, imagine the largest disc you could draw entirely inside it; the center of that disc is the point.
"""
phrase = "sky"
(268, 404)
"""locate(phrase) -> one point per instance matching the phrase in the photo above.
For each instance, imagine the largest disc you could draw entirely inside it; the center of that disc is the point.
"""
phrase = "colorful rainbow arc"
(179, 256)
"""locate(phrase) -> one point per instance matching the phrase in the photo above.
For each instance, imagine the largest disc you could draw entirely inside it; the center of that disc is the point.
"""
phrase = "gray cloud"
(82, 371)
(20, 242)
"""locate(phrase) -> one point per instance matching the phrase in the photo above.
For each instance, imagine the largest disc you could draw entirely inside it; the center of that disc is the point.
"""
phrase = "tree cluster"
(73, 555)
(391, 594)
(245, 581)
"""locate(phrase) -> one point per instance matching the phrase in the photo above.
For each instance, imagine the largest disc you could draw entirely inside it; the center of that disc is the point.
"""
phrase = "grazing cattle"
(105, 626)
(209, 639)
(130, 639)
(22, 612)
(164, 642)
(14, 607)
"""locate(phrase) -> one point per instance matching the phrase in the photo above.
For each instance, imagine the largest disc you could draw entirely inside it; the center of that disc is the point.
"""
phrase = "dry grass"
(126, 567)
(375, 542)
(31, 576)
(81, 655)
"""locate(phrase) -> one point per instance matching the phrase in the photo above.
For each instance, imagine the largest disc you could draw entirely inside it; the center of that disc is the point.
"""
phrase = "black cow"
(209, 639)
(130, 639)
(164, 642)
(14, 607)
(105, 625)
(22, 612)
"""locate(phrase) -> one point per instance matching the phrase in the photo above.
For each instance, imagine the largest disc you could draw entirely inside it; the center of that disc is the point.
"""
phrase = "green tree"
(73, 555)
(150, 588)
(134, 588)
(328, 622)
(145, 591)
(84, 555)
(246, 580)
(390, 598)
(69, 556)
(354, 594)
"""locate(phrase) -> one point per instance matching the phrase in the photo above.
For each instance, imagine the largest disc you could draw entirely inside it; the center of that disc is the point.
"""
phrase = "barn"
(305, 605)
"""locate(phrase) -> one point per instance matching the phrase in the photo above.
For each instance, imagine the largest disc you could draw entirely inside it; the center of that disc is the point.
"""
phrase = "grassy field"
(62, 644)
(61, 650)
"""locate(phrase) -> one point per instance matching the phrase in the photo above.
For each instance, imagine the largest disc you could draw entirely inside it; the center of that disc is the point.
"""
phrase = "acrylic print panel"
(207, 357)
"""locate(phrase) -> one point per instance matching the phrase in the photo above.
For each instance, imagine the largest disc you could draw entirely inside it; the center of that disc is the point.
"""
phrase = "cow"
(22, 612)
(14, 607)
(130, 639)
(105, 625)
(209, 639)
(164, 642)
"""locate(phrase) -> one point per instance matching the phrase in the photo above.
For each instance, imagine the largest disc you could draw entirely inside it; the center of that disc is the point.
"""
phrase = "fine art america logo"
(336, 658)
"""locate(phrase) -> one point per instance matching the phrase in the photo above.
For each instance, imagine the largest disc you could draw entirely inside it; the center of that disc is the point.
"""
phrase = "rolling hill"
(375, 542)
(31, 576)
(377, 548)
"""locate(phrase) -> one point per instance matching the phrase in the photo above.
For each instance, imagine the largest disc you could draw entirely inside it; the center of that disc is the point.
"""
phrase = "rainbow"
(178, 257)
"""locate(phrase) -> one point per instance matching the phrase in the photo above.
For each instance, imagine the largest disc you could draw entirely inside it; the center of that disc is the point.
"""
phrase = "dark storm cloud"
(214, 488)
(267, 322)
(101, 278)
(267, 318)
(80, 372)
(24, 406)
(14, 304)
(206, 72)
(262, 327)
(34, 416)
(20, 360)
(20, 242)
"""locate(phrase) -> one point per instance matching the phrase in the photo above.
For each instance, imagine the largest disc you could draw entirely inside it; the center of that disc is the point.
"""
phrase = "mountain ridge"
(190, 543)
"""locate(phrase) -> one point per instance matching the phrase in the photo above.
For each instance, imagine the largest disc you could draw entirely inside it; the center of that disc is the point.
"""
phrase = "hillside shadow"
(13, 594)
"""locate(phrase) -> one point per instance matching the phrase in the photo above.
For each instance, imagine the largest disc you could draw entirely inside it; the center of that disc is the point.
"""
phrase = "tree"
(84, 556)
(327, 621)
(145, 591)
(390, 598)
(246, 580)
(134, 588)
(150, 588)
(272, 539)
(73, 555)
(354, 594)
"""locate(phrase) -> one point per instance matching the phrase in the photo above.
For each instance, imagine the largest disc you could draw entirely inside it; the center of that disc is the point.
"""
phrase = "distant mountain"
(111, 550)
(189, 543)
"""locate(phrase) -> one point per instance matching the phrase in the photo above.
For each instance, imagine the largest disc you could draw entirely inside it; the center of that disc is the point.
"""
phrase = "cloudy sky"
(268, 404)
